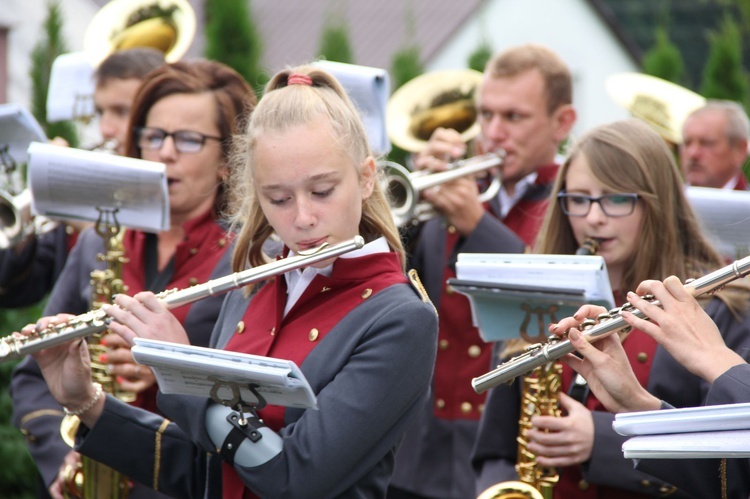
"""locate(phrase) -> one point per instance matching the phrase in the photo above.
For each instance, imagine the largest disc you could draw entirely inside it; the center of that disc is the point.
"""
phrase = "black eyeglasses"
(185, 141)
(613, 205)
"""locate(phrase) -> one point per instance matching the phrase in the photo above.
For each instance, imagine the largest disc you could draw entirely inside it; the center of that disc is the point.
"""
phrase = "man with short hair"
(524, 108)
(714, 148)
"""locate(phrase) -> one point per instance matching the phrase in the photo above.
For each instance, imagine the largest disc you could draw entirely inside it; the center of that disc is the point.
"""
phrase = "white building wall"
(569, 27)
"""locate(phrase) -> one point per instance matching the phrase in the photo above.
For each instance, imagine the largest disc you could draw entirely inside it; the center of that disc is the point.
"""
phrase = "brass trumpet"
(96, 321)
(403, 187)
(605, 325)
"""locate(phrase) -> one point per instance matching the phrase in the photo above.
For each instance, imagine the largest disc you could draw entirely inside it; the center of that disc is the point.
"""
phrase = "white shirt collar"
(298, 280)
(507, 202)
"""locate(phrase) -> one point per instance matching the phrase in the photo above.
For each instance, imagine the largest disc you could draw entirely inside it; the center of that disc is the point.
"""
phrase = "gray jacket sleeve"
(29, 273)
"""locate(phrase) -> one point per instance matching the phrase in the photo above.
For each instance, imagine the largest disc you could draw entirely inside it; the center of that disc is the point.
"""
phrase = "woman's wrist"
(83, 409)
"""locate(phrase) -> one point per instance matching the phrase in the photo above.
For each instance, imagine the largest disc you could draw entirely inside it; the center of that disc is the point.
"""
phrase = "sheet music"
(725, 218)
(68, 183)
(71, 88)
(690, 432)
(191, 370)
(18, 128)
(517, 295)
(684, 420)
(713, 444)
(573, 272)
(369, 89)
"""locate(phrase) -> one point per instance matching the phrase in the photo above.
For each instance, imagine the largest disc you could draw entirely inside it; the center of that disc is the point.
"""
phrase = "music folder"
(18, 129)
(714, 431)
(73, 184)
(369, 89)
(223, 375)
(514, 295)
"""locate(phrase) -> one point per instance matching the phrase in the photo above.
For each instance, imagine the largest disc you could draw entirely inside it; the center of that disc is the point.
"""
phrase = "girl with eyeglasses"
(621, 186)
(183, 116)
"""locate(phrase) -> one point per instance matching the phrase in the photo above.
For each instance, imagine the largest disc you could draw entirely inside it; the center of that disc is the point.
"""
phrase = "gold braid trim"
(417, 284)
(157, 452)
(33, 415)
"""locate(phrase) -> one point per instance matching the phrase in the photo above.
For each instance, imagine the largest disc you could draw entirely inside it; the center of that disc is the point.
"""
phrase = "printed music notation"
(69, 183)
(514, 295)
(213, 373)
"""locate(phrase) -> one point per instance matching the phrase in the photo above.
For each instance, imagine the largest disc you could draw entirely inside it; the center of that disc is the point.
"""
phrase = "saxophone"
(91, 479)
(539, 396)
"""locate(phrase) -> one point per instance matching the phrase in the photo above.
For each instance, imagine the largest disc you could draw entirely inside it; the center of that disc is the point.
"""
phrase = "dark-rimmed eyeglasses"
(185, 141)
(613, 205)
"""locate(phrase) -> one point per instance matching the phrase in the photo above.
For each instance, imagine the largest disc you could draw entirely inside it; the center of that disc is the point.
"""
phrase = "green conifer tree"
(232, 38)
(334, 40)
(18, 473)
(479, 57)
(46, 50)
(664, 59)
(723, 75)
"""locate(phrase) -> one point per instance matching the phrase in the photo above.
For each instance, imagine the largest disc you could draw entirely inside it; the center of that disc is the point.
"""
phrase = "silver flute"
(96, 321)
(606, 324)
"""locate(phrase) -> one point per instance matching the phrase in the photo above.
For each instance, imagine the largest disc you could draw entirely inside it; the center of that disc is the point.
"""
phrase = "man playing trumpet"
(525, 108)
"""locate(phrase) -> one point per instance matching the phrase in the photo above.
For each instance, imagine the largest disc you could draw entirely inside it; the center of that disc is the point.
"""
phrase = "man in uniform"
(524, 108)
(714, 148)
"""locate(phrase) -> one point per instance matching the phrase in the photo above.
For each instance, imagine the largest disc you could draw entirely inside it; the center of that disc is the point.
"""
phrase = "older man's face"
(707, 157)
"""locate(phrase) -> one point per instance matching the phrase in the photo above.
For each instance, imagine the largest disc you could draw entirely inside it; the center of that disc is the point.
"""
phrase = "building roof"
(291, 29)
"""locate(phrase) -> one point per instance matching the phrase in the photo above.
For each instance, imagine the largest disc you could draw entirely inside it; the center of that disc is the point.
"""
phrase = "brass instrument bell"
(165, 25)
(436, 99)
(661, 104)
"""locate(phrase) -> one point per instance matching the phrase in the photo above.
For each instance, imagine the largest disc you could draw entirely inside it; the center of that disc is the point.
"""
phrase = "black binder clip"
(244, 427)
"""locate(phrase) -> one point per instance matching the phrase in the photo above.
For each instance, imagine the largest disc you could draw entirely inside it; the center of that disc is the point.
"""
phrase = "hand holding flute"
(606, 324)
(678, 324)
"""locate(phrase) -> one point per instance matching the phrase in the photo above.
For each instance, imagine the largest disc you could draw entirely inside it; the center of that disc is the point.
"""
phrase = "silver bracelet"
(86, 408)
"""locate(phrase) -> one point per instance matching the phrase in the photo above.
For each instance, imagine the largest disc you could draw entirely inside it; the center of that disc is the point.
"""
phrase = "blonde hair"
(627, 156)
(284, 106)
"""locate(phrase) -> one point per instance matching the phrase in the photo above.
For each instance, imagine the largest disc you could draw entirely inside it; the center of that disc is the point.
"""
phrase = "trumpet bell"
(165, 25)
(436, 99)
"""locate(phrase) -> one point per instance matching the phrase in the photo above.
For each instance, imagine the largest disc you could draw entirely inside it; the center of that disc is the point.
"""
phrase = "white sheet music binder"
(191, 370)
(68, 183)
(71, 88)
(369, 89)
(725, 218)
(691, 432)
(514, 295)
(18, 129)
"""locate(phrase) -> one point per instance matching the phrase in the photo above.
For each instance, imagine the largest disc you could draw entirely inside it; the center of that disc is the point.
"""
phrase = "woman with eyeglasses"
(621, 186)
(184, 116)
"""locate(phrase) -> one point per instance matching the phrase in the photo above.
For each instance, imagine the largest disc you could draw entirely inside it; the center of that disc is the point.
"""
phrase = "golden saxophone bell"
(165, 25)
(510, 490)
(438, 99)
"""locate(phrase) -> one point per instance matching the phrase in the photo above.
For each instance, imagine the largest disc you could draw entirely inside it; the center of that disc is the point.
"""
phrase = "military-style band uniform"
(29, 273)
(365, 341)
(607, 474)
(203, 255)
(701, 477)
(434, 460)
